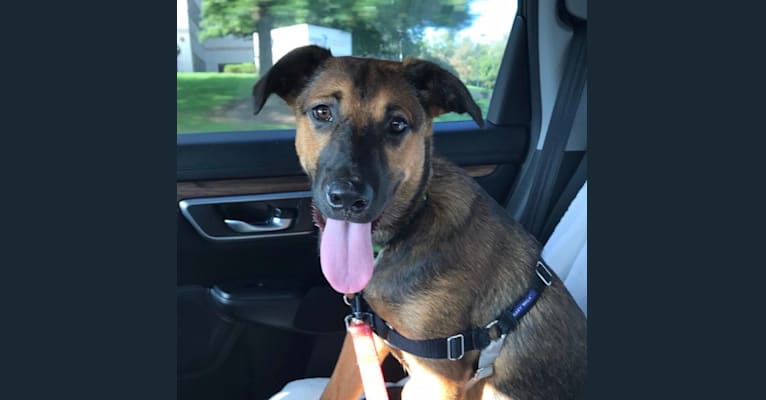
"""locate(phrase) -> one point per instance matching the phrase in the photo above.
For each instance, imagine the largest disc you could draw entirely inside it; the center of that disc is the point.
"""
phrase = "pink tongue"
(346, 255)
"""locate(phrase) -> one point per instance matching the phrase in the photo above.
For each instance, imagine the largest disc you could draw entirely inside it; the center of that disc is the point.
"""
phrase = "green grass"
(202, 91)
(202, 98)
(199, 95)
(219, 102)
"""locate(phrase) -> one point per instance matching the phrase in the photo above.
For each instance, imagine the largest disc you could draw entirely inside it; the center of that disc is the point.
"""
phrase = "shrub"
(243, 68)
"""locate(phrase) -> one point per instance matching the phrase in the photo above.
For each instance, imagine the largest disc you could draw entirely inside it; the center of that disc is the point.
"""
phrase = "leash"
(358, 325)
(489, 338)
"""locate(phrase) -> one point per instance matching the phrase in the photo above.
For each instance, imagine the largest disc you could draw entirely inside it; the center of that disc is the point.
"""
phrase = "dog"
(450, 257)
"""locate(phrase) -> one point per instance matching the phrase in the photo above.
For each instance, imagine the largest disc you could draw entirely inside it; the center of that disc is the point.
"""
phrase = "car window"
(219, 51)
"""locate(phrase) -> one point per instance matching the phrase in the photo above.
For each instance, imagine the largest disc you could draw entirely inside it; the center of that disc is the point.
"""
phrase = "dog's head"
(363, 129)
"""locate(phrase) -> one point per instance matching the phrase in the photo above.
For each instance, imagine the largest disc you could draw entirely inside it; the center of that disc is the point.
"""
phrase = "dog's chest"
(394, 292)
(398, 280)
(409, 296)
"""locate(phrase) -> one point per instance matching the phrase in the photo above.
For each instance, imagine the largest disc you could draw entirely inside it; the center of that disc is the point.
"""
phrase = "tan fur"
(324, 88)
(451, 262)
(406, 164)
(308, 145)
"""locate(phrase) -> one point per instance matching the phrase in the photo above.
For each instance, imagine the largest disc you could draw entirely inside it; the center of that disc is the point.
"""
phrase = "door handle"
(272, 225)
(249, 217)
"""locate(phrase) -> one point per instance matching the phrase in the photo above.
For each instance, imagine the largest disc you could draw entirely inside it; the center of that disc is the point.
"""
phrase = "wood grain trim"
(232, 187)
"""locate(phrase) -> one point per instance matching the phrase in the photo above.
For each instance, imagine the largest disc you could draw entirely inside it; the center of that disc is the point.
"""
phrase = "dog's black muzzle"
(351, 181)
(349, 197)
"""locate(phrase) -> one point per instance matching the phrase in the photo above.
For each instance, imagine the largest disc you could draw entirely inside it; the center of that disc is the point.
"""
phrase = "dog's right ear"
(289, 75)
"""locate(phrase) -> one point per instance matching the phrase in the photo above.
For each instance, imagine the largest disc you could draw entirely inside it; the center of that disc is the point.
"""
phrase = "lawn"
(216, 102)
(211, 102)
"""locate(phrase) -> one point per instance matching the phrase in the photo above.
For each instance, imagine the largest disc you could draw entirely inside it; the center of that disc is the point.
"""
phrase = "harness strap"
(455, 346)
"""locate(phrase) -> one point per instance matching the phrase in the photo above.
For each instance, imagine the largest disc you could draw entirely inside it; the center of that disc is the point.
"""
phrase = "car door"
(254, 310)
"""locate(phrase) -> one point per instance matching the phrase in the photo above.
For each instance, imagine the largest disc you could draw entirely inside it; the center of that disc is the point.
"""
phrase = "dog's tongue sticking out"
(346, 255)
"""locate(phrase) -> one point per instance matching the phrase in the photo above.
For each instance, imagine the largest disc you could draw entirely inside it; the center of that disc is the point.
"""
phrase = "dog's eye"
(322, 113)
(398, 125)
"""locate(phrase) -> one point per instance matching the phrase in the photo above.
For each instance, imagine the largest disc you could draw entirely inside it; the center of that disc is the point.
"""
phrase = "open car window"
(221, 49)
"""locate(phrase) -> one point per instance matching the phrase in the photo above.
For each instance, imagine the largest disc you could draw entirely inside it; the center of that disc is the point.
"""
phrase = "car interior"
(254, 310)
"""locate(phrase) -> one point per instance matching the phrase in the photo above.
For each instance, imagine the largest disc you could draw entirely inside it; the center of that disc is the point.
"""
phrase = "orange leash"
(367, 358)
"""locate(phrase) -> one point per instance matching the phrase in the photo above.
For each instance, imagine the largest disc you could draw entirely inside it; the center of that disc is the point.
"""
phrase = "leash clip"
(355, 303)
(357, 319)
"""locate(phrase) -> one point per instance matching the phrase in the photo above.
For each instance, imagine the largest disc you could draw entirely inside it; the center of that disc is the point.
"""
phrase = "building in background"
(213, 54)
(210, 55)
(289, 37)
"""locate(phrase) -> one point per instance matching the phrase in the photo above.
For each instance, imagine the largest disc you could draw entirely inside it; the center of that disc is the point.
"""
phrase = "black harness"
(455, 346)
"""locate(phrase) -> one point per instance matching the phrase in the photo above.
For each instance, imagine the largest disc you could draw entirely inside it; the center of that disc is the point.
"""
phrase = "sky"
(494, 19)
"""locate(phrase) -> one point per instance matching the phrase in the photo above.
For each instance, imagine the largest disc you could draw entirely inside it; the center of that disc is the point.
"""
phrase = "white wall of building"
(209, 55)
(184, 60)
(289, 37)
(226, 50)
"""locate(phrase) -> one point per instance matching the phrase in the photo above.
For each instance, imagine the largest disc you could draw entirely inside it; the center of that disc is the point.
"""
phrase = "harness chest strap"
(489, 338)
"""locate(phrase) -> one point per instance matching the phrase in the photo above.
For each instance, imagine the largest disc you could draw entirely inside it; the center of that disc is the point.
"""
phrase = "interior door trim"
(185, 205)
(231, 187)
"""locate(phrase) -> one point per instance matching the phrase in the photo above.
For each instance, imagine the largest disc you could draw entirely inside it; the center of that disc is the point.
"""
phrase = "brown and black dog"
(451, 258)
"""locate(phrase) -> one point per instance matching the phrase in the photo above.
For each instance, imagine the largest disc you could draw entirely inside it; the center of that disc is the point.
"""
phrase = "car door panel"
(260, 301)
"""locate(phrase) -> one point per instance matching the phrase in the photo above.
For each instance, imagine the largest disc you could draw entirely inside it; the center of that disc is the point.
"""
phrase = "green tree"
(474, 63)
(243, 17)
(380, 28)
(488, 63)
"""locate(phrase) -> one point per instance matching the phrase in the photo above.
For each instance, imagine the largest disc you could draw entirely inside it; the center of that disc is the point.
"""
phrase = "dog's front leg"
(439, 379)
(429, 385)
(345, 382)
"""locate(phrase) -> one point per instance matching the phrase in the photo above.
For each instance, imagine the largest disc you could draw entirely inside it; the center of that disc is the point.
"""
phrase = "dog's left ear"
(289, 75)
(439, 91)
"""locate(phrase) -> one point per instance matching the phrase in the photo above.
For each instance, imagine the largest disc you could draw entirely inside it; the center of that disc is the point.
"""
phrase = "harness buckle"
(493, 333)
(452, 348)
(541, 270)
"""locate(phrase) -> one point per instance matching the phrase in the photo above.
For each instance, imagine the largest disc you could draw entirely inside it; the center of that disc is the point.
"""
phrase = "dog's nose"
(346, 195)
